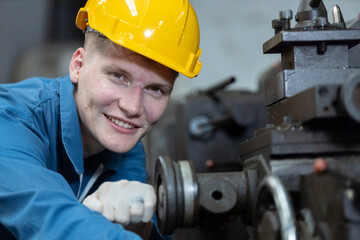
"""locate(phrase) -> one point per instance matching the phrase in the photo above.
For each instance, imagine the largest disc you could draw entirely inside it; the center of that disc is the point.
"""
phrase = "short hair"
(97, 42)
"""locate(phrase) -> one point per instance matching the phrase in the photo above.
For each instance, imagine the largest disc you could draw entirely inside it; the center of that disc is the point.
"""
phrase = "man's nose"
(131, 102)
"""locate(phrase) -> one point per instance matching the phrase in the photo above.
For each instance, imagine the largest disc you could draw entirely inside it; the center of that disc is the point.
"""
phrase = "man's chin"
(121, 149)
(122, 143)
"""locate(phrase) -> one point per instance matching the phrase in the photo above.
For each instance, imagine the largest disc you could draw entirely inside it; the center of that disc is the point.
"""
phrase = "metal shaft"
(220, 86)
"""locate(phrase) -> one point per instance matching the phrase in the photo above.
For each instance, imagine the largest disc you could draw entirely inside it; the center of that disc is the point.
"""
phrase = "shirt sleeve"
(36, 202)
(156, 234)
(132, 166)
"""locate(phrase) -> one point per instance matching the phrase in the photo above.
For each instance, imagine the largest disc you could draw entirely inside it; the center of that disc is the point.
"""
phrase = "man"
(72, 165)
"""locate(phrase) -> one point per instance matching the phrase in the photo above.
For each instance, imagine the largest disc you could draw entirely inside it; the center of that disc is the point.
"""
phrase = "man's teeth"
(121, 123)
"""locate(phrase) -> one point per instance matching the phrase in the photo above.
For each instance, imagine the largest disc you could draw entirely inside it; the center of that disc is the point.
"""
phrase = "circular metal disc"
(165, 188)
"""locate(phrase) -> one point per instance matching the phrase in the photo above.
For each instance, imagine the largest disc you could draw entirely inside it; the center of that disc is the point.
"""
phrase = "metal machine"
(207, 126)
(299, 176)
(194, 127)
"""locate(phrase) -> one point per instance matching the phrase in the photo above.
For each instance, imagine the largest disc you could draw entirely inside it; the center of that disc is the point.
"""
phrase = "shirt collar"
(112, 161)
(70, 126)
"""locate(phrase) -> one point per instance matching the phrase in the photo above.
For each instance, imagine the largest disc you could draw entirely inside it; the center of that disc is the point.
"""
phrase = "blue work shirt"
(42, 170)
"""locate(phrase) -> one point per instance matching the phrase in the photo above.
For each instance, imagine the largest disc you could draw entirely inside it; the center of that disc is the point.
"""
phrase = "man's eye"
(156, 90)
(117, 75)
(119, 78)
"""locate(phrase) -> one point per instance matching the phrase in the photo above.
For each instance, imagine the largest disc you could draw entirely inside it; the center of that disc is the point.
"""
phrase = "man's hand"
(124, 202)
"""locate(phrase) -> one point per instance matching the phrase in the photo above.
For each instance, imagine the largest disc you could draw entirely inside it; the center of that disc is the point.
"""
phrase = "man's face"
(120, 95)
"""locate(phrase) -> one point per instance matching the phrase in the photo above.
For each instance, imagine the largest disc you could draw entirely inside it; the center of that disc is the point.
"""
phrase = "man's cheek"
(153, 111)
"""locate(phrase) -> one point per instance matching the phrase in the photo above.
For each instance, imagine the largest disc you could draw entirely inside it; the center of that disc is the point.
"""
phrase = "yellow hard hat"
(166, 31)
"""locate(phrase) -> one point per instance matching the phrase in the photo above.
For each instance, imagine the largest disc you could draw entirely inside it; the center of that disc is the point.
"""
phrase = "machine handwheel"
(274, 216)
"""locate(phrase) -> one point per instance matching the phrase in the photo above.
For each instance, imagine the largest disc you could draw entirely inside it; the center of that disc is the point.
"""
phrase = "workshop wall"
(37, 37)
(232, 34)
(22, 24)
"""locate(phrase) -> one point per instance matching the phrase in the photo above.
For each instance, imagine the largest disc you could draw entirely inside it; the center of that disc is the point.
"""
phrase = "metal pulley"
(177, 190)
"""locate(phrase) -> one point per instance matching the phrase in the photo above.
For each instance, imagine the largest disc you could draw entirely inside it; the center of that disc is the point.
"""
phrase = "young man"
(72, 165)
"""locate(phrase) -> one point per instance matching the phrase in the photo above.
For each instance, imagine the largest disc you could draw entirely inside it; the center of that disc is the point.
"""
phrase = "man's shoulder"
(22, 98)
(36, 87)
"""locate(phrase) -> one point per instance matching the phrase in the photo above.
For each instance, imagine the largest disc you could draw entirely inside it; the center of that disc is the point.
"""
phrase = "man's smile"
(120, 122)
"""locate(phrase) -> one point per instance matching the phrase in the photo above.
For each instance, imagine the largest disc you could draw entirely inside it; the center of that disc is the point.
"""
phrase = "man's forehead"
(124, 50)
(116, 50)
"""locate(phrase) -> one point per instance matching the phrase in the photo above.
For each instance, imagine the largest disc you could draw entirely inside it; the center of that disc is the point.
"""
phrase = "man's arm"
(37, 203)
(131, 166)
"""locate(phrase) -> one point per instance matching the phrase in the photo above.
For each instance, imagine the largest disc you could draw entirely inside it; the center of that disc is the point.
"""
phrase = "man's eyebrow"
(118, 69)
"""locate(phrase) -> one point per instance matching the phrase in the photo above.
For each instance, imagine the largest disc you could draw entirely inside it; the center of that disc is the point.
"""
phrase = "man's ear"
(76, 64)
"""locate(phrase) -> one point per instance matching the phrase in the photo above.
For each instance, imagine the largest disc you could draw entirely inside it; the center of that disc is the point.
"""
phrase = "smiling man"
(119, 94)
(72, 165)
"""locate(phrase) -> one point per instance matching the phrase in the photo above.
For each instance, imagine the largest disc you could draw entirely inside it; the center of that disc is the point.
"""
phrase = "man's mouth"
(120, 123)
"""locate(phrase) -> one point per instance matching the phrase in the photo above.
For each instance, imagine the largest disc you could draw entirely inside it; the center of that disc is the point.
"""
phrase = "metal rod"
(220, 86)
(337, 15)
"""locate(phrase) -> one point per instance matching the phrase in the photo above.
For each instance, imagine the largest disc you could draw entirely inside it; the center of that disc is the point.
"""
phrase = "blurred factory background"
(209, 116)
(39, 36)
